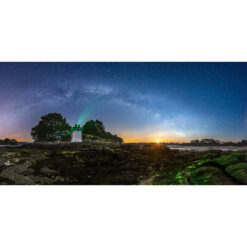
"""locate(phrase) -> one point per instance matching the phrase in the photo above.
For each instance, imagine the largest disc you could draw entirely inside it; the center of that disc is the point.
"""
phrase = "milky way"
(137, 101)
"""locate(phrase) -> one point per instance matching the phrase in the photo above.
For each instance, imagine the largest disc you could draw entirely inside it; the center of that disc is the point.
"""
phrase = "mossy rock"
(206, 158)
(182, 178)
(9, 154)
(238, 171)
(161, 179)
(208, 175)
(69, 152)
(205, 171)
(227, 160)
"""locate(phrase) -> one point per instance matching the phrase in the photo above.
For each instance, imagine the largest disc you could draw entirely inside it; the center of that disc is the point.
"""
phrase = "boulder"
(46, 171)
(238, 171)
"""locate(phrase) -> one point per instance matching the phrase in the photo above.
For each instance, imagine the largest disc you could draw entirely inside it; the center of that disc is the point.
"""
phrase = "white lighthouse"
(76, 133)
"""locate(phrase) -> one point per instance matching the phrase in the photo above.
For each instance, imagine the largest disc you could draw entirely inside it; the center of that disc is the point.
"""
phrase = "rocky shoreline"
(117, 164)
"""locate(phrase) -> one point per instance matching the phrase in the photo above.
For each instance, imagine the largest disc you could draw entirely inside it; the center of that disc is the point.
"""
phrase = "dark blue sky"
(138, 101)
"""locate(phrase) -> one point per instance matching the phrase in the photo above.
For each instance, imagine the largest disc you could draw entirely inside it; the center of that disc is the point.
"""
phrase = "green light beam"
(85, 114)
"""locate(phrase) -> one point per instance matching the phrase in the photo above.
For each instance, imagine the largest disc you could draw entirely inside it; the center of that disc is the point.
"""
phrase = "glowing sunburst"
(158, 141)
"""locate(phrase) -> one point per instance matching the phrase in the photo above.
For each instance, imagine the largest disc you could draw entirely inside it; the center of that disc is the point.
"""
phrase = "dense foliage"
(54, 127)
(7, 141)
(97, 129)
(51, 127)
(209, 142)
(206, 141)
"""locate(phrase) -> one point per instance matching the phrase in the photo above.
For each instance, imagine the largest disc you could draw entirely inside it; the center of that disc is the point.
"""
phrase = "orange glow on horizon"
(20, 137)
(154, 140)
(148, 136)
(127, 137)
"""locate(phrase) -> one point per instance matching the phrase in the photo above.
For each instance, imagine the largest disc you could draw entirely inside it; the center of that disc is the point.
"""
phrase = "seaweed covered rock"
(238, 171)
(126, 164)
(230, 159)
(211, 169)
(205, 175)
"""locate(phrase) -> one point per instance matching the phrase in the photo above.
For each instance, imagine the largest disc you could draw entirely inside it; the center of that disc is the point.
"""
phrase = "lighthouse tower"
(76, 133)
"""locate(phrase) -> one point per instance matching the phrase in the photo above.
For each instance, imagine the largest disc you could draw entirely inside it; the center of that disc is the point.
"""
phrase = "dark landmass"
(53, 127)
(212, 142)
(91, 163)
(203, 143)
(8, 141)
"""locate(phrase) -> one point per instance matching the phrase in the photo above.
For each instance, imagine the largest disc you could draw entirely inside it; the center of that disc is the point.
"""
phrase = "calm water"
(12, 146)
(206, 148)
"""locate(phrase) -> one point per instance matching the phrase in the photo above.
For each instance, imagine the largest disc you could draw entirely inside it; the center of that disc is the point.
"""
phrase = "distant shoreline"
(207, 148)
(181, 147)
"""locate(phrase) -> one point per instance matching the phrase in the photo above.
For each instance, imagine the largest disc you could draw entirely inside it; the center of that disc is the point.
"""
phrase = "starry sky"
(140, 102)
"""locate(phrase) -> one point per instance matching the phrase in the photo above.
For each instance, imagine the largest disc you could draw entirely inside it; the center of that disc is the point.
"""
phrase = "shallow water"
(12, 146)
(207, 148)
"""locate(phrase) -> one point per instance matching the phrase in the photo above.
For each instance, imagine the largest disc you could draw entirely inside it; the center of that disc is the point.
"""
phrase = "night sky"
(140, 102)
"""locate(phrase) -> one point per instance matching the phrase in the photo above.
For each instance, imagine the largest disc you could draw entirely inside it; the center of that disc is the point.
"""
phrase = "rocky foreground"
(113, 164)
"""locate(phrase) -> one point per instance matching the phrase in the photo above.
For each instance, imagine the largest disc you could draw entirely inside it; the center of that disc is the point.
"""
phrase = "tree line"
(54, 127)
(8, 141)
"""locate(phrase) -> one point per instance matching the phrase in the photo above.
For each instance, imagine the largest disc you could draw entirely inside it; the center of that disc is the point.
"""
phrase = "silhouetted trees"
(8, 141)
(205, 142)
(217, 142)
(54, 127)
(96, 128)
(51, 127)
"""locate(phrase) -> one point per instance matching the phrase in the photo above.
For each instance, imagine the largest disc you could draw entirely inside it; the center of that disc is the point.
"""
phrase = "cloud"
(157, 115)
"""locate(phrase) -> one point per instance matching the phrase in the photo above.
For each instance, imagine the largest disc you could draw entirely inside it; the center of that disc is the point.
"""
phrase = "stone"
(7, 163)
(97, 163)
(230, 159)
(59, 179)
(16, 178)
(238, 171)
(45, 170)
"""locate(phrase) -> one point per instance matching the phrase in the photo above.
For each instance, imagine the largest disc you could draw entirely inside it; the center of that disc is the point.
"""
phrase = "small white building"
(76, 133)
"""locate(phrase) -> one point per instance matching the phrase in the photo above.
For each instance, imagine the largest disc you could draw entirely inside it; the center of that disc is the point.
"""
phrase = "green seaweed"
(205, 176)
(202, 172)
(239, 166)
(227, 160)
(238, 171)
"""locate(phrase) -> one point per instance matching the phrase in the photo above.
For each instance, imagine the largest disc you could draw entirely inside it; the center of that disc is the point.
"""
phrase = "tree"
(7, 141)
(51, 127)
(96, 128)
(100, 127)
(244, 142)
(195, 141)
(90, 128)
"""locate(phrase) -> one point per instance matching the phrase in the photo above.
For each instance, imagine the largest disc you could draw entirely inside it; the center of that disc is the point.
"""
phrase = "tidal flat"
(120, 164)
